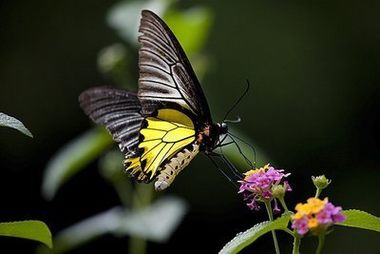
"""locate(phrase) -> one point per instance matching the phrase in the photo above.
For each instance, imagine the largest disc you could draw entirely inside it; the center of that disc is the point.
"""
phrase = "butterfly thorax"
(208, 136)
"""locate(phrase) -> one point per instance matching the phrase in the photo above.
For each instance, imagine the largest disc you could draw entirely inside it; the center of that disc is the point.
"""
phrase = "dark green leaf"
(29, 229)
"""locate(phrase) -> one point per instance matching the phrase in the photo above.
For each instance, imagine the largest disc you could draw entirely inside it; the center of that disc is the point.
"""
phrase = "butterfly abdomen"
(174, 166)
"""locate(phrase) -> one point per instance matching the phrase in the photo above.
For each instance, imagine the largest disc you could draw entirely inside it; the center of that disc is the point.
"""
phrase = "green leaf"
(29, 229)
(155, 223)
(12, 122)
(360, 219)
(73, 157)
(242, 240)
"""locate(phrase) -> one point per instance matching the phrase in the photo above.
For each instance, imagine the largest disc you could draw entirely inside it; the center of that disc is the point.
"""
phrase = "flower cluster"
(316, 215)
(263, 185)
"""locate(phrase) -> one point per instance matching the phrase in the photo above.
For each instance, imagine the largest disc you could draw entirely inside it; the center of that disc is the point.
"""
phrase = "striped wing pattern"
(118, 110)
(162, 137)
(166, 76)
(158, 123)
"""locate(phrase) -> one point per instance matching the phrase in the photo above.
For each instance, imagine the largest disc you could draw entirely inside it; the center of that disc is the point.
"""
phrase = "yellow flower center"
(312, 207)
(316, 204)
(255, 171)
(312, 223)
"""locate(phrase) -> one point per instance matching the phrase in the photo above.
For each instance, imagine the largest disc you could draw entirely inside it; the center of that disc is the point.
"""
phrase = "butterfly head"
(209, 135)
(222, 128)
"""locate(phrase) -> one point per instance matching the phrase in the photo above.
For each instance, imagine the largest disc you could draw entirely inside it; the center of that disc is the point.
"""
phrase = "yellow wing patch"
(163, 137)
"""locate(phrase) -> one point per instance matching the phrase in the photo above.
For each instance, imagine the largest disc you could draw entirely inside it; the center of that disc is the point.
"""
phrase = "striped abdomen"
(176, 164)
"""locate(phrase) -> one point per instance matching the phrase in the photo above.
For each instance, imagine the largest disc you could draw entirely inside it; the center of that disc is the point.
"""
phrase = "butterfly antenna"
(237, 120)
(238, 101)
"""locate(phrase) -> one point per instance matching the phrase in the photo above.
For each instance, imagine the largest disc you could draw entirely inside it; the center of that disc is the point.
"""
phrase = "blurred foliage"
(114, 63)
(72, 158)
(154, 223)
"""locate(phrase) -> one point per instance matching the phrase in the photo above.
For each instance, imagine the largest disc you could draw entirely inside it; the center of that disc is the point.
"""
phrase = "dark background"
(314, 108)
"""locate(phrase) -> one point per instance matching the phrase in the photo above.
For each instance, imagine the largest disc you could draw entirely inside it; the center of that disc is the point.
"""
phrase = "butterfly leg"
(233, 141)
(233, 137)
(236, 173)
(220, 143)
(221, 170)
(241, 152)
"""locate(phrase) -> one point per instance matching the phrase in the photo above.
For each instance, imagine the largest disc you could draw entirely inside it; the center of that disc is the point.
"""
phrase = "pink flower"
(257, 185)
(301, 225)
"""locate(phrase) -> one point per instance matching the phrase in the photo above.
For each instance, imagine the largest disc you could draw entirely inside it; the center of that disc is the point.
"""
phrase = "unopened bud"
(321, 182)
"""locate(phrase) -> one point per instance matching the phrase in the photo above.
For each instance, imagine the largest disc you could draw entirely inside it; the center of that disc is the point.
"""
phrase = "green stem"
(318, 192)
(142, 197)
(289, 232)
(136, 245)
(296, 244)
(124, 191)
(283, 204)
(321, 243)
(268, 206)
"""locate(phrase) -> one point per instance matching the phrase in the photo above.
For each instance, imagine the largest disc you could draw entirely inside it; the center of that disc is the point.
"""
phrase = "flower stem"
(283, 204)
(289, 232)
(137, 245)
(321, 243)
(268, 206)
(318, 192)
(142, 197)
(296, 244)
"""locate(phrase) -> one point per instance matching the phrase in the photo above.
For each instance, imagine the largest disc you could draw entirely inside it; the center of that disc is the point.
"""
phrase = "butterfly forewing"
(166, 76)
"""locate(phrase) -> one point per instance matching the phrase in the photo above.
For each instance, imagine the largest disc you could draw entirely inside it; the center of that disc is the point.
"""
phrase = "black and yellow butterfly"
(162, 127)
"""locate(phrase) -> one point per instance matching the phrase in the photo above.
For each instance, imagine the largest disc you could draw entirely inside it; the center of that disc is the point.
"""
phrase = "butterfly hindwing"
(166, 76)
(162, 136)
(118, 110)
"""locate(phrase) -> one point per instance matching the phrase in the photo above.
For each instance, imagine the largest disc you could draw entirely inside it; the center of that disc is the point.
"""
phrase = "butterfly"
(163, 126)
